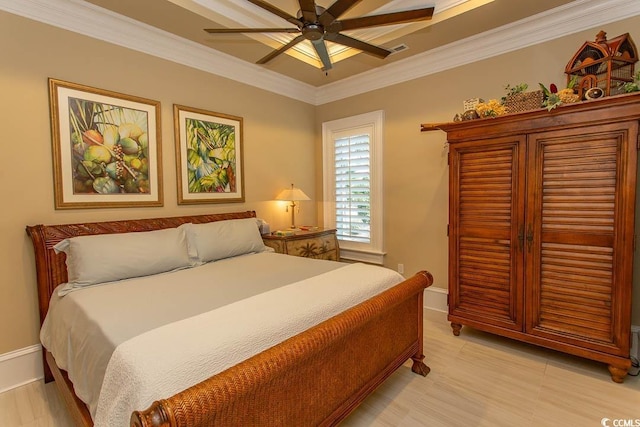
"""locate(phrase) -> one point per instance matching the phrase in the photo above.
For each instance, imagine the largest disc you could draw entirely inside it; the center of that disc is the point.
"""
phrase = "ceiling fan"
(317, 24)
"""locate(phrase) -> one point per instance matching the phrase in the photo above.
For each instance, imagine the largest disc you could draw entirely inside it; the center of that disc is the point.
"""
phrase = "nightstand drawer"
(321, 244)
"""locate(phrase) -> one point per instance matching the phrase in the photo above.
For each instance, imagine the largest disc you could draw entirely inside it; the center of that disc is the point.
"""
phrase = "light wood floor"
(476, 379)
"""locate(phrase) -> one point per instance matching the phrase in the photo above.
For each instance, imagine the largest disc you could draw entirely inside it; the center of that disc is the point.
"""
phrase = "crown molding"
(90, 20)
(561, 21)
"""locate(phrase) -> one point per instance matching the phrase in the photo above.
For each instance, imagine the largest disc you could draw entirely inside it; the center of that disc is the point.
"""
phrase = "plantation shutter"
(353, 188)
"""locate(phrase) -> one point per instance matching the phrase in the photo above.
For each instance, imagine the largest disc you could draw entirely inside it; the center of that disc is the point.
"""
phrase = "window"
(352, 160)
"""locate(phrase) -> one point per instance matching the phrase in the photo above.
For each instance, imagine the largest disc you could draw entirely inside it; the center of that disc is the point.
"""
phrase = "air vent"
(400, 48)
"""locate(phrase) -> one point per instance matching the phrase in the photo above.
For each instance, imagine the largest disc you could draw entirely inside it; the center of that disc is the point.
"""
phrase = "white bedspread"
(83, 328)
(144, 368)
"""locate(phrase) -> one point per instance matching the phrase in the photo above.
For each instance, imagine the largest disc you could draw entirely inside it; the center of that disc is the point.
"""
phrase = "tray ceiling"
(453, 20)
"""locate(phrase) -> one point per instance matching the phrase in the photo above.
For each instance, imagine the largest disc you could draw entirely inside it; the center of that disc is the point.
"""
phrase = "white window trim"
(374, 251)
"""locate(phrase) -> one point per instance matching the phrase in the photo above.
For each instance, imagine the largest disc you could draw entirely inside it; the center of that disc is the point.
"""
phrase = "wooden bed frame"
(314, 378)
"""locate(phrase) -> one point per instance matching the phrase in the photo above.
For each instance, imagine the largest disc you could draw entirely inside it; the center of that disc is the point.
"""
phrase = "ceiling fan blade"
(282, 14)
(384, 19)
(250, 30)
(308, 9)
(358, 44)
(283, 49)
(336, 10)
(321, 50)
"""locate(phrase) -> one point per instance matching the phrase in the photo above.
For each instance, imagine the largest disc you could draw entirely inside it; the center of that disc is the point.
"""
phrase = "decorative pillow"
(212, 241)
(109, 257)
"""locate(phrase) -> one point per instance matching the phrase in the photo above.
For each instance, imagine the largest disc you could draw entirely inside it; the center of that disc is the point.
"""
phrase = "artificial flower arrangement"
(491, 108)
(551, 98)
(554, 97)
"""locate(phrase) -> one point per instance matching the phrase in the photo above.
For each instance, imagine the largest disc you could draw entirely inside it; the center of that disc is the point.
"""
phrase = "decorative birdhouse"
(606, 64)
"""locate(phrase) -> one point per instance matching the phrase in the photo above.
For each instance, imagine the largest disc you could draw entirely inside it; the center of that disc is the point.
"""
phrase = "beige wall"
(415, 164)
(277, 130)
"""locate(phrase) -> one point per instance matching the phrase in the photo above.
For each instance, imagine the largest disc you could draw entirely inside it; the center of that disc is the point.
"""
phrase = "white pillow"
(109, 257)
(212, 241)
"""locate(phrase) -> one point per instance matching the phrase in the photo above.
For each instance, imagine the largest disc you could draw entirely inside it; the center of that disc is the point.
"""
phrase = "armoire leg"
(456, 328)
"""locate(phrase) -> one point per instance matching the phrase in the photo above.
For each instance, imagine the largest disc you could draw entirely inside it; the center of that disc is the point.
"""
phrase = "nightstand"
(319, 244)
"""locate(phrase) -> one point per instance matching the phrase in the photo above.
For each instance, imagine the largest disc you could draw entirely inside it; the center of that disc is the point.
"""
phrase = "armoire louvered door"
(577, 266)
(541, 226)
(488, 184)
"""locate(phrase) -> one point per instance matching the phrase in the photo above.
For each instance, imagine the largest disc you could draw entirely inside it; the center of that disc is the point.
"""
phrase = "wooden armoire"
(541, 226)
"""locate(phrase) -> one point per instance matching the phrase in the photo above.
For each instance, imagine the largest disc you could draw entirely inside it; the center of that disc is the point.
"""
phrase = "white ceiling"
(173, 29)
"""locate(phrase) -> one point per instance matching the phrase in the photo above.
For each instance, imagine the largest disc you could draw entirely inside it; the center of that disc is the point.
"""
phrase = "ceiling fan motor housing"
(313, 31)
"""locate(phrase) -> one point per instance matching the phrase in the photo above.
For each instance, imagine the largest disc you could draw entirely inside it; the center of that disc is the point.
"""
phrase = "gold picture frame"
(106, 148)
(209, 156)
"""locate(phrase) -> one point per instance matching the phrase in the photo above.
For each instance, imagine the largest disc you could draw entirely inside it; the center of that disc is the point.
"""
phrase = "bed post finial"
(155, 416)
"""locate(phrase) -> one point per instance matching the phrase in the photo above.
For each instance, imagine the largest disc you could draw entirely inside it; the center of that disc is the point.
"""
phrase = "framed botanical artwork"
(106, 148)
(208, 156)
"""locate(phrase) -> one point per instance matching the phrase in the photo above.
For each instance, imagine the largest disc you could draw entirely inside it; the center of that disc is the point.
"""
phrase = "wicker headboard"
(51, 269)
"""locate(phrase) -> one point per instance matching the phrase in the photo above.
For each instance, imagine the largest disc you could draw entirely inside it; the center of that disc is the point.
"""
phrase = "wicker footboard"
(315, 378)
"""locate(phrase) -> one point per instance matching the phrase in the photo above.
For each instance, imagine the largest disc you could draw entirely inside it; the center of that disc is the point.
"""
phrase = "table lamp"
(292, 195)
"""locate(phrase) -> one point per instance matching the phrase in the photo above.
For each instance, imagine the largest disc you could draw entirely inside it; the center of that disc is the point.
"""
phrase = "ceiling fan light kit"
(318, 25)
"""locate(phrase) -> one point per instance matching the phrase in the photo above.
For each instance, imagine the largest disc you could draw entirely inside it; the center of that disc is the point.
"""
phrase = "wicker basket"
(523, 101)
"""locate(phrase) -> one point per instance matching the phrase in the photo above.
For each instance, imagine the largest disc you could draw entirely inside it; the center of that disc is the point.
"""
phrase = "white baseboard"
(20, 367)
(436, 299)
(635, 342)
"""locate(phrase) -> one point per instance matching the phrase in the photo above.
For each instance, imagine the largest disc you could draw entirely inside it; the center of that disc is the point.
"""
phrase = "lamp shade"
(292, 194)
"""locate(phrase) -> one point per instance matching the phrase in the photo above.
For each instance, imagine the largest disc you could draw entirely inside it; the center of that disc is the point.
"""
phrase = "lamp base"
(293, 214)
